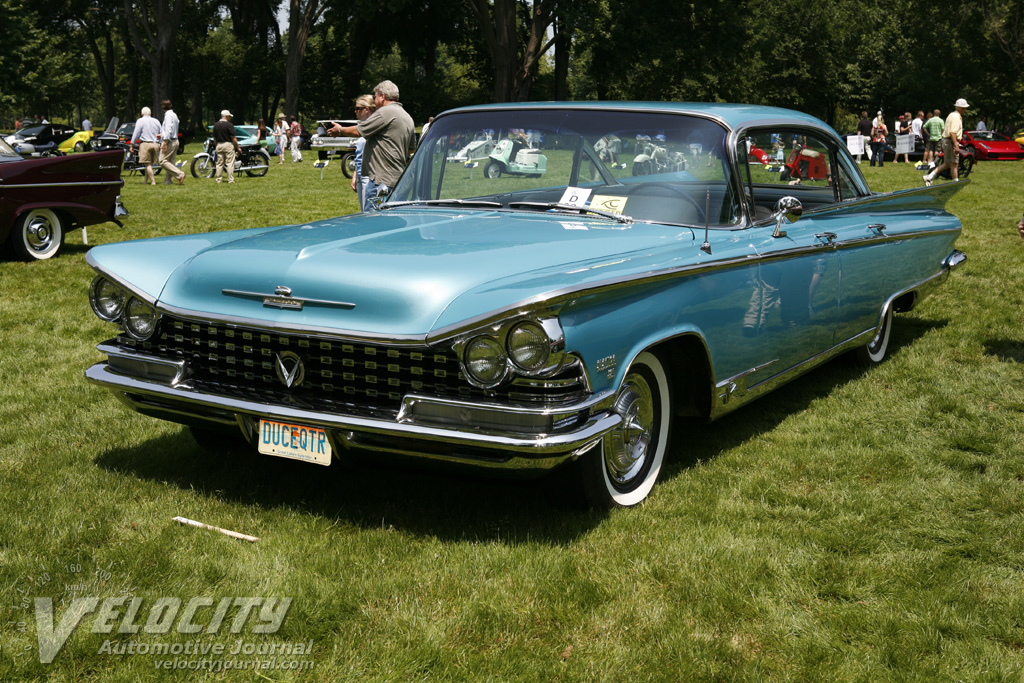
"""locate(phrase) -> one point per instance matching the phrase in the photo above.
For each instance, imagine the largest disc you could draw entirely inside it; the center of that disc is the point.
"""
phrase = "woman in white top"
(280, 137)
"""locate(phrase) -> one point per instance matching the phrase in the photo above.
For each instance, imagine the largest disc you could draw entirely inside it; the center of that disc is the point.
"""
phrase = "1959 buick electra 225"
(671, 259)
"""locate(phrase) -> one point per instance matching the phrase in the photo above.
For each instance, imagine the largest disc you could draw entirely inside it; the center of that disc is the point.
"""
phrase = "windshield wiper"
(569, 207)
(445, 202)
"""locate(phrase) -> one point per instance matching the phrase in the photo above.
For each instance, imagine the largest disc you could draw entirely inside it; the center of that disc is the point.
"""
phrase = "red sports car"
(42, 198)
(989, 145)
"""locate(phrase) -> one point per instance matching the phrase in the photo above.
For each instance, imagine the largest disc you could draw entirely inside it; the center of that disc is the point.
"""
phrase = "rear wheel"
(492, 169)
(261, 160)
(202, 166)
(37, 235)
(623, 468)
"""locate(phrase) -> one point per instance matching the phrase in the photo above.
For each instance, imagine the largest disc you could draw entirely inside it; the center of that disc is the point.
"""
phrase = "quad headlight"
(110, 303)
(531, 348)
(107, 299)
(485, 361)
(139, 319)
(528, 346)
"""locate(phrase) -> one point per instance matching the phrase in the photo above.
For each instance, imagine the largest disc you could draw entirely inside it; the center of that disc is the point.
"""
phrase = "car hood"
(396, 273)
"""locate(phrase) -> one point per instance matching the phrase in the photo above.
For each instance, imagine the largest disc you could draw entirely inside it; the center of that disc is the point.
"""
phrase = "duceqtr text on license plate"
(298, 442)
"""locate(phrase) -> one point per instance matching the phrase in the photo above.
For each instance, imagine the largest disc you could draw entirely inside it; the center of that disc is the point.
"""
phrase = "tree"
(153, 27)
(302, 15)
(499, 24)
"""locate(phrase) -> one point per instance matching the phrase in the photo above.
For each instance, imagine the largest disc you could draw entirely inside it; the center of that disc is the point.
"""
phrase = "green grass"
(851, 526)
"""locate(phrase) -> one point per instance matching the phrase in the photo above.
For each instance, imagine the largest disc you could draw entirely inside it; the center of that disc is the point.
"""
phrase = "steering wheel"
(640, 188)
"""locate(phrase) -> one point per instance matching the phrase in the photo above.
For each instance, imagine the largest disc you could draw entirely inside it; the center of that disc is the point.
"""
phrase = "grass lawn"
(854, 525)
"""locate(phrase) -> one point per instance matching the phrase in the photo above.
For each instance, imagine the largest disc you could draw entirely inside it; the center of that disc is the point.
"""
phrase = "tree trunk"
(300, 24)
(153, 32)
(499, 26)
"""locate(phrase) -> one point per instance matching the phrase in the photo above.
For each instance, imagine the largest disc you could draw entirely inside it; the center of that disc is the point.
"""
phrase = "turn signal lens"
(485, 361)
(106, 299)
(139, 319)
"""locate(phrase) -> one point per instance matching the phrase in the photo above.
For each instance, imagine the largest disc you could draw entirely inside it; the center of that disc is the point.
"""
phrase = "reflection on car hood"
(406, 271)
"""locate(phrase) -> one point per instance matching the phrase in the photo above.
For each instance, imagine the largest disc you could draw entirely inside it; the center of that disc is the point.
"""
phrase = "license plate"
(298, 442)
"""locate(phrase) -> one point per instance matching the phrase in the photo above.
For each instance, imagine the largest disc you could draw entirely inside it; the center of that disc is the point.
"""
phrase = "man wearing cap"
(227, 146)
(145, 136)
(952, 133)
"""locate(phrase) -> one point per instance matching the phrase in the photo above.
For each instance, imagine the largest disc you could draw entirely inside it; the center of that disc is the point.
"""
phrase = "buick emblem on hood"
(290, 369)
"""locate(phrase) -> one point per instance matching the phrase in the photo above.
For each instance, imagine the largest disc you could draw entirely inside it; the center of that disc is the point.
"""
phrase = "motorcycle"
(254, 160)
(651, 159)
(513, 157)
(965, 164)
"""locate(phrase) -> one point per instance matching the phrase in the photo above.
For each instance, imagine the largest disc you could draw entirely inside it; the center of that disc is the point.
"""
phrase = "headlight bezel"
(128, 318)
(95, 294)
(500, 339)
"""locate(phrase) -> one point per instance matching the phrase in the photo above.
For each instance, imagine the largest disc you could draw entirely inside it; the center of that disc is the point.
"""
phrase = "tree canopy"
(101, 58)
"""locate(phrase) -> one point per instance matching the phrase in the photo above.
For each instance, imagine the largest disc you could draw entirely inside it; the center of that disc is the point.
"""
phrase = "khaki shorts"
(149, 152)
(948, 155)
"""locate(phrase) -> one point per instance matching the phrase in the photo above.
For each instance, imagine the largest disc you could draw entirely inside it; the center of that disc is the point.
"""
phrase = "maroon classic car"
(41, 199)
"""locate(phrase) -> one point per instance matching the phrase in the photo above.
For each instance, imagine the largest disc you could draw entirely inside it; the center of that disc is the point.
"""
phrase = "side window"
(792, 162)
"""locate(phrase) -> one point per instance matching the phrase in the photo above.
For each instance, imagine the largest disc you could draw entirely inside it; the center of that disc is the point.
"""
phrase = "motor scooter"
(513, 157)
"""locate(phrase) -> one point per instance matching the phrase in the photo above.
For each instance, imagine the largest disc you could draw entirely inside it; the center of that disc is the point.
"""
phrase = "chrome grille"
(339, 375)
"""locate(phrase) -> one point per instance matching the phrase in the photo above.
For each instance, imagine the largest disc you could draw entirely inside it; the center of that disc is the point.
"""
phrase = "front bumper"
(523, 438)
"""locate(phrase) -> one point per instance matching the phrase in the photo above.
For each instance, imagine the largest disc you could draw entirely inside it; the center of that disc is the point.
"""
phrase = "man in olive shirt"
(227, 146)
(389, 135)
(951, 135)
(931, 145)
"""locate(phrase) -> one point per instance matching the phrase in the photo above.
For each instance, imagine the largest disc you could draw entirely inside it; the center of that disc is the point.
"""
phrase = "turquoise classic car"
(672, 260)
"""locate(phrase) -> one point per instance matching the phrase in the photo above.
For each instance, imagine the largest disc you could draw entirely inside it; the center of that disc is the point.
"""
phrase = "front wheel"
(202, 166)
(492, 169)
(965, 165)
(623, 468)
(37, 235)
(875, 351)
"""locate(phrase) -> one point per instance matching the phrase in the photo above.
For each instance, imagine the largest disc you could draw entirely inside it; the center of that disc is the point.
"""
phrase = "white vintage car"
(328, 147)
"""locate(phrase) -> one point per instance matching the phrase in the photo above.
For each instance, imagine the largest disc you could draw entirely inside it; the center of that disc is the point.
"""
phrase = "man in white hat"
(227, 146)
(952, 133)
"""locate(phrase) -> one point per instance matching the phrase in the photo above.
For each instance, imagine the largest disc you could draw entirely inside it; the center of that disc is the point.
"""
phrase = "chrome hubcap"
(627, 448)
(39, 234)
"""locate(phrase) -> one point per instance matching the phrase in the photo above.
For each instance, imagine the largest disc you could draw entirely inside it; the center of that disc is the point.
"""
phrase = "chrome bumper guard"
(489, 435)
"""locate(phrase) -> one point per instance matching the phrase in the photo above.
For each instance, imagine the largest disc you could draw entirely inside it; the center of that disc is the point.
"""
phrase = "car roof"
(732, 115)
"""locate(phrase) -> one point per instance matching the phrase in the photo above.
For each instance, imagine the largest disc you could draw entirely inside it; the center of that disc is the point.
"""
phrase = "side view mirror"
(787, 210)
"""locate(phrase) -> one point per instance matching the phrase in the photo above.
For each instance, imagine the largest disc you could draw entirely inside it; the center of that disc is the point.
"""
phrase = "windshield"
(7, 151)
(29, 132)
(649, 167)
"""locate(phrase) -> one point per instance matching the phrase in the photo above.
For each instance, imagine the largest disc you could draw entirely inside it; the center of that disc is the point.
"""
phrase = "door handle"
(826, 236)
(879, 228)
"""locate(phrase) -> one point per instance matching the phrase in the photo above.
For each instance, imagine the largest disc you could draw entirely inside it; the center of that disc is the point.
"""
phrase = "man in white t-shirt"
(169, 145)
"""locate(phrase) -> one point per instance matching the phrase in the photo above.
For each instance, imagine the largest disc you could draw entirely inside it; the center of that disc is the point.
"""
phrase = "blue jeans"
(878, 153)
(371, 191)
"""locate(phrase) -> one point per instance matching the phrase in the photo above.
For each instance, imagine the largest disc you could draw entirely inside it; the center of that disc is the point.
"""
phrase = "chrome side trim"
(15, 186)
(147, 396)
